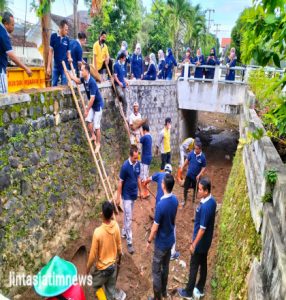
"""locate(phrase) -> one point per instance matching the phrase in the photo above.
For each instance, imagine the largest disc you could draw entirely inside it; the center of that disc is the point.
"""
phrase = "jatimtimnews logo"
(22, 279)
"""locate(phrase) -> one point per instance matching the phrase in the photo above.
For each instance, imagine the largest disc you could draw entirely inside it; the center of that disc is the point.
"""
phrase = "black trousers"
(160, 272)
(197, 260)
(110, 66)
(189, 183)
(166, 159)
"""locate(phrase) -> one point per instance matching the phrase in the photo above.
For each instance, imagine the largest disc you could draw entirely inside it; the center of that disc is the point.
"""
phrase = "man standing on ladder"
(93, 112)
(129, 182)
(135, 132)
(6, 28)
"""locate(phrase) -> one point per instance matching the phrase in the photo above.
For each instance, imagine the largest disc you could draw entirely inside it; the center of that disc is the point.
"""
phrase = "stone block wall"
(269, 219)
(49, 186)
(157, 101)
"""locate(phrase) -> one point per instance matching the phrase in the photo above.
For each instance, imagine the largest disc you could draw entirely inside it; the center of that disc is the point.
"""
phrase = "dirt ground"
(135, 276)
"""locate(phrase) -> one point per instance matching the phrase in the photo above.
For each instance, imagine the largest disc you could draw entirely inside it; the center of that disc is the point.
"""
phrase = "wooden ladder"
(95, 155)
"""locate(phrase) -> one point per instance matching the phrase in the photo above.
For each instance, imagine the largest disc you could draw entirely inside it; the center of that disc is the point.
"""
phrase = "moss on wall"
(238, 241)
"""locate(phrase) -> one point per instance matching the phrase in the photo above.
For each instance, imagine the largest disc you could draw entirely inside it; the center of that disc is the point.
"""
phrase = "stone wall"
(260, 156)
(157, 101)
(49, 187)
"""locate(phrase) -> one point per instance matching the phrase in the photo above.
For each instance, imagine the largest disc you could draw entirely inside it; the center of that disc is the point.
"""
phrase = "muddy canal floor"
(135, 276)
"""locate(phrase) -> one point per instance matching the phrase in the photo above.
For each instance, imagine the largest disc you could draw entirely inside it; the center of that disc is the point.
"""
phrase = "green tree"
(236, 36)
(121, 19)
(4, 5)
(179, 12)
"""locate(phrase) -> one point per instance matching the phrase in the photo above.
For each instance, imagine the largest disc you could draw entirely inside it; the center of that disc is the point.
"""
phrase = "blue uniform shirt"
(205, 219)
(5, 46)
(60, 45)
(129, 174)
(170, 63)
(231, 74)
(137, 65)
(196, 163)
(161, 67)
(151, 73)
(158, 177)
(165, 217)
(119, 70)
(146, 141)
(199, 71)
(76, 53)
(91, 89)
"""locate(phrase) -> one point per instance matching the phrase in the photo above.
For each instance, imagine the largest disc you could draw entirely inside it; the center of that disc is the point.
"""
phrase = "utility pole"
(217, 30)
(75, 18)
(46, 25)
(209, 18)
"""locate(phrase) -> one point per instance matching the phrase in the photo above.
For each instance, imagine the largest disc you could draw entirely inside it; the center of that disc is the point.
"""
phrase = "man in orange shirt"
(105, 249)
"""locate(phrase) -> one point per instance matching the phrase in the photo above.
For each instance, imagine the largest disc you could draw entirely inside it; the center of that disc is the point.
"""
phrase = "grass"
(239, 242)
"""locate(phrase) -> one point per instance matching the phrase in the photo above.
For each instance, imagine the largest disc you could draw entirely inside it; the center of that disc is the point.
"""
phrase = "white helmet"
(168, 168)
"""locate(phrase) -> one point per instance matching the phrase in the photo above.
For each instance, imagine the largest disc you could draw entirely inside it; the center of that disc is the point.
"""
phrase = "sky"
(226, 11)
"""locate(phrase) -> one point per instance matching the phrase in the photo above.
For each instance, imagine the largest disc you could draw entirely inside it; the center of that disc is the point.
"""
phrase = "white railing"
(241, 74)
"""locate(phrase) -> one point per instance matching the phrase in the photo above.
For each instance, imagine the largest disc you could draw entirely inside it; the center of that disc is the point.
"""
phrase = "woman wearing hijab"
(124, 49)
(170, 63)
(198, 61)
(230, 63)
(161, 64)
(137, 63)
(187, 60)
(152, 68)
(212, 60)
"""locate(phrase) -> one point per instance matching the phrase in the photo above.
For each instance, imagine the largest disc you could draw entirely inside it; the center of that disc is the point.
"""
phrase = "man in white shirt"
(135, 132)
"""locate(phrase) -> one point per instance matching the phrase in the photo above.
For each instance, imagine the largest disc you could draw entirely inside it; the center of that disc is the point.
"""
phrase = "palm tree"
(179, 12)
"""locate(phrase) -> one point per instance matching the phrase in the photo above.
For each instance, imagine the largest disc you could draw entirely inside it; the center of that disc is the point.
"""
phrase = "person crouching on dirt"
(93, 112)
(164, 144)
(105, 252)
(197, 165)
(185, 148)
(163, 230)
(158, 177)
(135, 132)
(146, 158)
(120, 81)
(48, 285)
(201, 242)
(129, 183)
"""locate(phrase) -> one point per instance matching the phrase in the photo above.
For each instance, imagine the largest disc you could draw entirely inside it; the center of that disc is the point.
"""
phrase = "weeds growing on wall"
(271, 105)
(238, 241)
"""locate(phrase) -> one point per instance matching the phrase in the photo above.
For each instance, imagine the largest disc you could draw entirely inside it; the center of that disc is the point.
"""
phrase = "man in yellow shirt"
(101, 54)
(105, 249)
(164, 143)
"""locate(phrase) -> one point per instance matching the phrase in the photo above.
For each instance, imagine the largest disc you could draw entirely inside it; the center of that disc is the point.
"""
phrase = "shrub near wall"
(238, 241)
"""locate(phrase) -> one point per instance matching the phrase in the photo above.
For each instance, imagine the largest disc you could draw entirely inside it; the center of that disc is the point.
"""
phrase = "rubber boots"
(145, 192)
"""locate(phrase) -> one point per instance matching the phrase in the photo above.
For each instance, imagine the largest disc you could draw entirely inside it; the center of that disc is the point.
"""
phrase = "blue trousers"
(59, 73)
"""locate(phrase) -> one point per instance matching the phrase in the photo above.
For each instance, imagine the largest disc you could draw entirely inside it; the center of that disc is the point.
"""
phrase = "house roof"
(19, 41)
(225, 42)
(83, 21)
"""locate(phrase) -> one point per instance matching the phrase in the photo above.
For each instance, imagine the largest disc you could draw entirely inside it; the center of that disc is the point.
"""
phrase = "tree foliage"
(121, 19)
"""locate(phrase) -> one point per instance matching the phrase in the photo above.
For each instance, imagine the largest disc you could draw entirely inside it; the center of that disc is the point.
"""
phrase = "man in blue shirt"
(201, 241)
(129, 182)
(146, 158)
(60, 49)
(76, 51)
(6, 51)
(197, 165)
(163, 229)
(120, 81)
(93, 112)
(159, 177)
